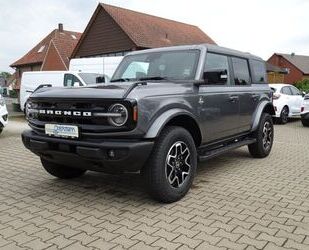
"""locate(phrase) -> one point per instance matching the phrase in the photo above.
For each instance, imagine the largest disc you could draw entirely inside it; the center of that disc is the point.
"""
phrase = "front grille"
(87, 125)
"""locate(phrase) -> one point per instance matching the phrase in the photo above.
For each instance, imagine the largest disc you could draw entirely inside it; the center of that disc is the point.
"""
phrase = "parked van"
(99, 65)
(30, 81)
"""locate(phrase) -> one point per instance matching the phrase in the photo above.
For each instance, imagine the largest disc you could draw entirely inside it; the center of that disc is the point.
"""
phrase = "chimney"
(60, 27)
(292, 54)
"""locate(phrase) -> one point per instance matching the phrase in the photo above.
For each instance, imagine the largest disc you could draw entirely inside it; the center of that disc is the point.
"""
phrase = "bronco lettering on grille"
(65, 112)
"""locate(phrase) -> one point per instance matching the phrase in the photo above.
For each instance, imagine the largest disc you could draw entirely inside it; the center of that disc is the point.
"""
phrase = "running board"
(218, 151)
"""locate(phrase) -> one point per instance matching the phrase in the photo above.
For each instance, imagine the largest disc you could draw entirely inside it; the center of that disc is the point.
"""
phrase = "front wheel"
(171, 168)
(61, 171)
(1, 129)
(264, 136)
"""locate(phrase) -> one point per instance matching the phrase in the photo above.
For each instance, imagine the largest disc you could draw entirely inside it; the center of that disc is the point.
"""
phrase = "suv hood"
(132, 90)
(98, 91)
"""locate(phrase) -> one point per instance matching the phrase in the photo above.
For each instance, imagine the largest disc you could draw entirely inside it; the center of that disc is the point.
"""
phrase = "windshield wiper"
(120, 80)
(152, 78)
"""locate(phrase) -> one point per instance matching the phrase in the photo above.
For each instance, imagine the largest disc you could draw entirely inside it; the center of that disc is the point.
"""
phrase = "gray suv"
(164, 111)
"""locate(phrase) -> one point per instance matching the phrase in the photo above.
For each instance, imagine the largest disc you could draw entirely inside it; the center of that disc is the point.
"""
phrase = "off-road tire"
(60, 171)
(305, 122)
(155, 171)
(259, 149)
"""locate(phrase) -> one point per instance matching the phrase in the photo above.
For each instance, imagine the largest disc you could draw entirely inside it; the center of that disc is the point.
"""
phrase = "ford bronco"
(164, 110)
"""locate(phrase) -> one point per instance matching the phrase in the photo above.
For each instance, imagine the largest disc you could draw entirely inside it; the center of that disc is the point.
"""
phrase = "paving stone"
(237, 202)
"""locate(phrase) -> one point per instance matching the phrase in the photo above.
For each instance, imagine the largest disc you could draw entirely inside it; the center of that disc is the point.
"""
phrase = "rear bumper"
(129, 156)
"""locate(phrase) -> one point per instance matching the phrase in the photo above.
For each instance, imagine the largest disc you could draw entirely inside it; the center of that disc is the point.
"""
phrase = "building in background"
(297, 67)
(52, 53)
(275, 74)
(114, 31)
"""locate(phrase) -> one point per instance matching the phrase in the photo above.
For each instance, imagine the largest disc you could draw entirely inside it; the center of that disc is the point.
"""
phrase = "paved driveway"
(236, 202)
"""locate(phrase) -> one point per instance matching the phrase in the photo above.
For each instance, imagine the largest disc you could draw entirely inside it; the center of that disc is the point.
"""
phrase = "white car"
(30, 81)
(305, 111)
(287, 101)
(3, 114)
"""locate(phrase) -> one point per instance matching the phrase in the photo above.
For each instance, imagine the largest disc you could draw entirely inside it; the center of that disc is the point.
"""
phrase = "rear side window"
(286, 91)
(241, 71)
(259, 71)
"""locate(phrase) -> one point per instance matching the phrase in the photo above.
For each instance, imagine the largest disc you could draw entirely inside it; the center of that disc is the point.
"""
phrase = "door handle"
(234, 98)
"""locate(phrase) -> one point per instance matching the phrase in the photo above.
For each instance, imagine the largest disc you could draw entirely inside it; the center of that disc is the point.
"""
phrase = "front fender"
(265, 106)
(163, 119)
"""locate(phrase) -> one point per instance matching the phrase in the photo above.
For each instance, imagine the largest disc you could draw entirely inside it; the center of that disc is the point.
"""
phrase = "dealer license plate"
(66, 131)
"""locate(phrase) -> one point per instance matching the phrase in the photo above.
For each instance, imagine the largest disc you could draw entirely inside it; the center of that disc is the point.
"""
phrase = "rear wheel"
(305, 122)
(284, 116)
(264, 136)
(171, 168)
(61, 171)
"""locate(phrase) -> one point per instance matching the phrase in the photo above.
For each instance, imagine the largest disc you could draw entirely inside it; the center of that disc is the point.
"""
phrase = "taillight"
(302, 109)
(276, 96)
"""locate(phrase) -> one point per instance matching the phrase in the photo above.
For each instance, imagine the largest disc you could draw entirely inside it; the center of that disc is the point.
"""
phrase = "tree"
(303, 85)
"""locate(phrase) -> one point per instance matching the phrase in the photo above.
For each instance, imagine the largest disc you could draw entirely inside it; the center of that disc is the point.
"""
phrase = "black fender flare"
(163, 119)
(264, 106)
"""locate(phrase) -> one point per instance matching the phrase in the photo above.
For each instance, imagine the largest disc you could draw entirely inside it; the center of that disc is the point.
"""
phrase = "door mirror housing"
(303, 93)
(215, 76)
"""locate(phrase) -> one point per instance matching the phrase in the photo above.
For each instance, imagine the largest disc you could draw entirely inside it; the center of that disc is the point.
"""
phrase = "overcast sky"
(260, 27)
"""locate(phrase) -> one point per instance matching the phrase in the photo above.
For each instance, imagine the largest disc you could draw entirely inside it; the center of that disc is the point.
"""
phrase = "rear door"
(218, 103)
(242, 87)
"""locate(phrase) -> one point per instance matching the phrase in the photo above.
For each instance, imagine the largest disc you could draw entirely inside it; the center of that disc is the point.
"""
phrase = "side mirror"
(303, 93)
(215, 76)
(76, 84)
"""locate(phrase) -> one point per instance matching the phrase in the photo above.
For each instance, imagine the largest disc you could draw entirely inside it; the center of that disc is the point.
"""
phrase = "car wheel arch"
(176, 117)
(264, 107)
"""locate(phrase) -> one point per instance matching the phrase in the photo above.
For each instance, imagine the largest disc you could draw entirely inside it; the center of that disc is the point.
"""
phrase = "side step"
(206, 155)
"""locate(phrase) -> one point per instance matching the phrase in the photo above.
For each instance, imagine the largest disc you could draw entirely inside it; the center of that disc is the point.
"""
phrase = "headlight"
(120, 117)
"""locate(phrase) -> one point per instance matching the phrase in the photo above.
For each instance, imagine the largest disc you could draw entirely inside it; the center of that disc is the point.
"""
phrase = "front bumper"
(3, 116)
(129, 156)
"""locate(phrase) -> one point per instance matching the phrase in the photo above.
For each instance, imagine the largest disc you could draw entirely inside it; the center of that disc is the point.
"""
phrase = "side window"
(286, 91)
(295, 91)
(217, 64)
(259, 71)
(241, 71)
(70, 79)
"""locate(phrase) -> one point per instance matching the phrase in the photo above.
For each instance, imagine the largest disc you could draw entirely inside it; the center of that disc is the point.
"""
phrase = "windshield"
(164, 65)
(92, 78)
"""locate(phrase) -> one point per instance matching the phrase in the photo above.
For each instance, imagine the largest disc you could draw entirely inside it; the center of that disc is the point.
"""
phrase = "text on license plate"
(61, 130)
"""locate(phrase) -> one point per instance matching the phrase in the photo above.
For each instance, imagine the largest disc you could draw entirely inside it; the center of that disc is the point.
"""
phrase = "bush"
(303, 85)
(13, 93)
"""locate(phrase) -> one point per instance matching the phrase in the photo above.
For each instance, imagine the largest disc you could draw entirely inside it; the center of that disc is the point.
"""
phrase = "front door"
(218, 103)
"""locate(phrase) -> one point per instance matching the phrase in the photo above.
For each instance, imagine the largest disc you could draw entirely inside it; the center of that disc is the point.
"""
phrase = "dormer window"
(41, 48)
